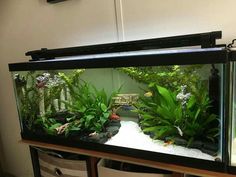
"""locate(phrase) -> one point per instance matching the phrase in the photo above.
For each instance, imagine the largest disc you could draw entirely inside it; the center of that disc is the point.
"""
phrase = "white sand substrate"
(131, 136)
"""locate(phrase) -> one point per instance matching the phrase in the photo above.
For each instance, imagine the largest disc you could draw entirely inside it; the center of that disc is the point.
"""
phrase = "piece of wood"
(175, 174)
(165, 166)
(92, 163)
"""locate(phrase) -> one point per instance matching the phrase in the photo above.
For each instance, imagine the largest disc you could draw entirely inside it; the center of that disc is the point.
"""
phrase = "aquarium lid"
(204, 40)
(126, 59)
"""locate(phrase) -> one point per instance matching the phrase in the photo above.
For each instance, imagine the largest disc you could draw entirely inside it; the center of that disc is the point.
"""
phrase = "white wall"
(157, 18)
(33, 24)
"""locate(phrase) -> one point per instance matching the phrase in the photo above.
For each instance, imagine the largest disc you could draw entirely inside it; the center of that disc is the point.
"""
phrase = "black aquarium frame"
(208, 53)
(232, 58)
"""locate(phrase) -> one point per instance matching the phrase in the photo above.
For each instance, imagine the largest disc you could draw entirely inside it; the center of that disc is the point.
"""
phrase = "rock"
(113, 130)
(61, 116)
(196, 144)
(152, 135)
(168, 138)
(114, 123)
(217, 159)
(210, 146)
(207, 151)
(180, 141)
(97, 138)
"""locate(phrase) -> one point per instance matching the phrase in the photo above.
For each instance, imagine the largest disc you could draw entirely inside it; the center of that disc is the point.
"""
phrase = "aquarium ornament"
(204, 40)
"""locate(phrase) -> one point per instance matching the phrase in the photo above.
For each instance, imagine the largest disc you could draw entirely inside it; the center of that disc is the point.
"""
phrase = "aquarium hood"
(163, 99)
(134, 58)
(204, 40)
(187, 49)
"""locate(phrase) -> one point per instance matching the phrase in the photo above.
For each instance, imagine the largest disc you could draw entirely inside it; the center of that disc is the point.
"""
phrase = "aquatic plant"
(71, 82)
(171, 77)
(86, 108)
(51, 122)
(92, 108)
(167, 114)
(70, 105)
(28, 98)
(55, 88)
(41, 95)
(49, 87)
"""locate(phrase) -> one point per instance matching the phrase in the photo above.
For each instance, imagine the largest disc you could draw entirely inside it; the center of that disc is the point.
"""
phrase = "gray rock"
(196, 144)
(180, 141)
(212, 153)
(97, 138)
(113, 130)
(210, 146)
(114, 123)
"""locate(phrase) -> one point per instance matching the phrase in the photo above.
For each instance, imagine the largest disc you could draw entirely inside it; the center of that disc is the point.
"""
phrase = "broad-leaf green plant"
(164, 116)
(92, 106)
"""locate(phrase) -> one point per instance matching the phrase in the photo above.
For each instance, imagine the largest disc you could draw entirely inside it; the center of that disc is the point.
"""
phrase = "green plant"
(50, 122)
(28, 98)
(52, 91)
(171, 77)
(72, 82)
(86, 108)
(163, 115)
(93, 108)
(34, 88)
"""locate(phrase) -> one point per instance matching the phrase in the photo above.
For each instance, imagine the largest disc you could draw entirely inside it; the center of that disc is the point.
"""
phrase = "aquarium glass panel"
(167, 109)
(233, 133)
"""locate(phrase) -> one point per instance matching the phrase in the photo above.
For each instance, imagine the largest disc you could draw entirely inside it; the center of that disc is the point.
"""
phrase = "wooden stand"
(94, 155)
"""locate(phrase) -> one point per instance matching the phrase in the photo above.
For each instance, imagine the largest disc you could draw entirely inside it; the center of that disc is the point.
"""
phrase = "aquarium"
(162, 105)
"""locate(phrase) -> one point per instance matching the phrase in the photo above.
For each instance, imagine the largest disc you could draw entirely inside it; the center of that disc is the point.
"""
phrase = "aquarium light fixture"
(205, 40)
(133, 53)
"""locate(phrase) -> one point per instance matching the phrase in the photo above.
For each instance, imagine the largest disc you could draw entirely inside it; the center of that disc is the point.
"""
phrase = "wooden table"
(165, 166)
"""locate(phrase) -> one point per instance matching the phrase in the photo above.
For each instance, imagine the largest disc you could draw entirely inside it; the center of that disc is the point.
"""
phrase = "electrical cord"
(231, 44)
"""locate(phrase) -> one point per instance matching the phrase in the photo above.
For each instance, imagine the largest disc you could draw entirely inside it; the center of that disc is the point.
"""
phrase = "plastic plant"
(167, 114)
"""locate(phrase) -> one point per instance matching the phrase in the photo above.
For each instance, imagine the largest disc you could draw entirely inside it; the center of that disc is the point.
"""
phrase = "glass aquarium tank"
(163, 105)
